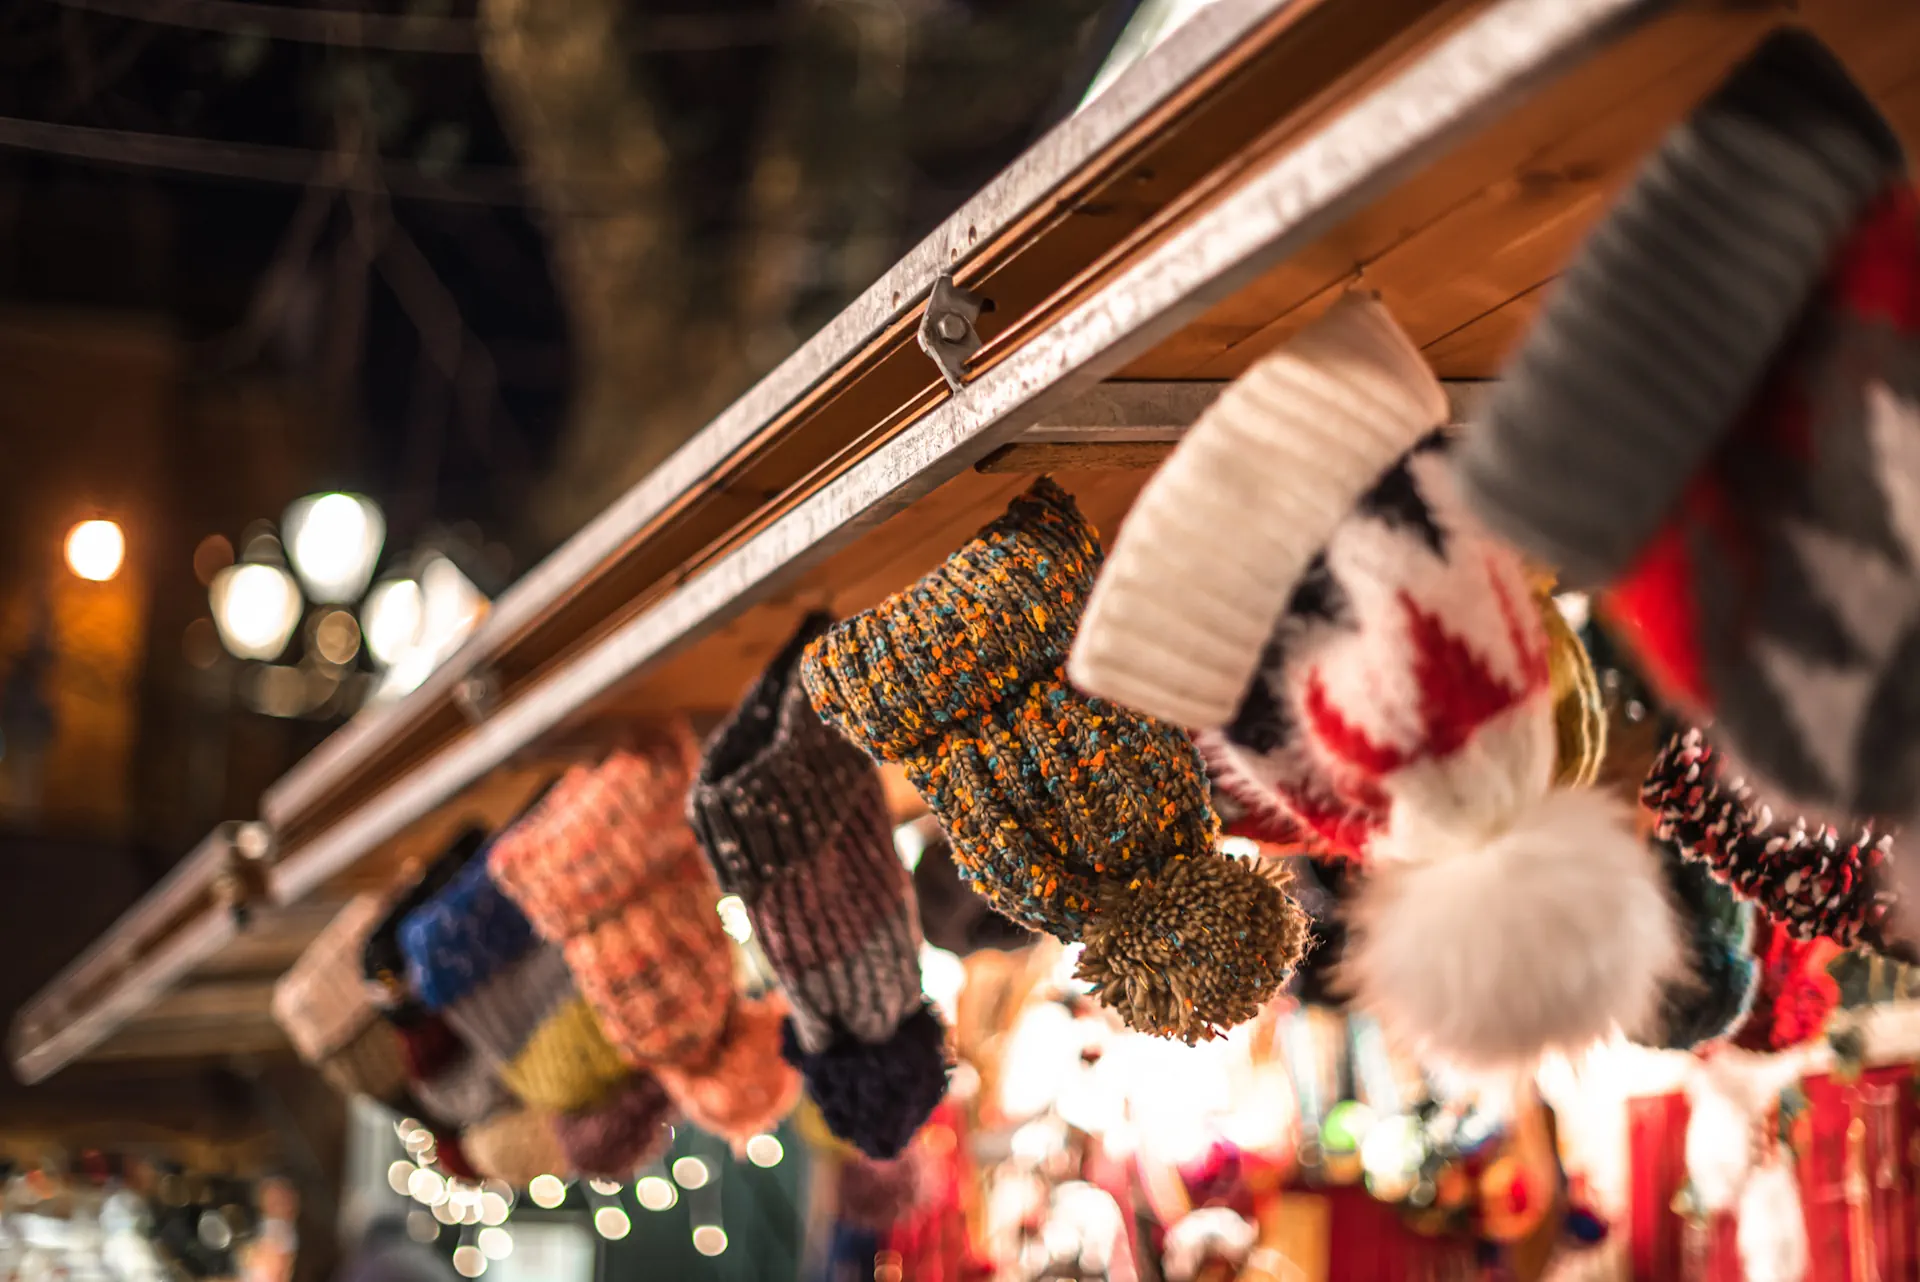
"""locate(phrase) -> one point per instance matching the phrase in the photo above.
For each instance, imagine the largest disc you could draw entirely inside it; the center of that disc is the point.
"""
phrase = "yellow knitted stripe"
(567, 1064)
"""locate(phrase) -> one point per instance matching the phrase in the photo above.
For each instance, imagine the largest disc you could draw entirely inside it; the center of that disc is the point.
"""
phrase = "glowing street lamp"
(95, 550)
(256, 607)
(334, 540)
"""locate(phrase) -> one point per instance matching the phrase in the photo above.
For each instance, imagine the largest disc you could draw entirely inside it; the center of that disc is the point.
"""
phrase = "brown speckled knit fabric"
(1071, 814)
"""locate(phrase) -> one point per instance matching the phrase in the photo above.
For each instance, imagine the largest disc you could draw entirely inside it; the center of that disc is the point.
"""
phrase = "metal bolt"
(253, 841)
(950, 327)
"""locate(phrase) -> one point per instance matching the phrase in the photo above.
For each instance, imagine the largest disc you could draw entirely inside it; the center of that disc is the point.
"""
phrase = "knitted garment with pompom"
(1070, 814)
(1813, 881)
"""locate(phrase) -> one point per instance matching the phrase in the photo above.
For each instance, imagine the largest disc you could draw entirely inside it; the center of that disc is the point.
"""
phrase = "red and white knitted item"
(1402, 712)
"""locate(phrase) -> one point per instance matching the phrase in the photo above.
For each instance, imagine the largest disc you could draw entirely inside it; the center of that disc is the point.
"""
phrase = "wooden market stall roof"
(1448, 154)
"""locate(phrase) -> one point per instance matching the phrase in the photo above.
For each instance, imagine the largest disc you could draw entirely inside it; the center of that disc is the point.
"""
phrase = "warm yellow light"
(655, 1193)
(547, 1191)
(765, 1150)
(95, 550)
(709, 1239)
(468, 1261)
(690, 1173)
(612, 1223)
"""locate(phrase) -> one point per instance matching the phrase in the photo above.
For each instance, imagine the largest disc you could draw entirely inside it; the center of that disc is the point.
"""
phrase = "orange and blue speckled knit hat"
(1070, 814)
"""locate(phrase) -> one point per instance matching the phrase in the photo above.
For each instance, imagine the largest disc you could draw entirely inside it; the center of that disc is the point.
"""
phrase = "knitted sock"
(794, 821)
(1663, 326)
(607, 868)
(1404, 713)
(1070, 814)
(1811, 881)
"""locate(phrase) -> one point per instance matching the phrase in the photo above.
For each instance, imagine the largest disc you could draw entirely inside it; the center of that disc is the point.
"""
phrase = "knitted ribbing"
(1070, 814)
(516, 1147)
(1658, 333)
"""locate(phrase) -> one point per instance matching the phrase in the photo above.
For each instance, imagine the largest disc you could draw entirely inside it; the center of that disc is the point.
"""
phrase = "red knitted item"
(1780, 597)
(1795, 996)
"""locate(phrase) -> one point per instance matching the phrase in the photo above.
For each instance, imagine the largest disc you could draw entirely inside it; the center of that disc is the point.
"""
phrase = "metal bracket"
(947, 332)
(241, 882)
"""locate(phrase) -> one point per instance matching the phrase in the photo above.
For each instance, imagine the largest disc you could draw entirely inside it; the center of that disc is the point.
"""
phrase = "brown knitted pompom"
(1200, 950)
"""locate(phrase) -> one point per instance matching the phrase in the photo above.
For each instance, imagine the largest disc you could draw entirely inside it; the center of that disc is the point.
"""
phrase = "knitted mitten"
(794, 821)
(607, 868)
(1070, 814)
(472, 955)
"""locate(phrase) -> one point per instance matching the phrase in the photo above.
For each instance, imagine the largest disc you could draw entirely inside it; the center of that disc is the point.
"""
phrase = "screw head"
(950, 327)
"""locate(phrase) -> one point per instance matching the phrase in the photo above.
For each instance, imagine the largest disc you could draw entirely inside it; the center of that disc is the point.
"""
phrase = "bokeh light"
(709, 1239)
(547, 1191)
(333, 541)
(765, 1151)
(95, 550)
(656, 1193)
(611, 1223)
(256, 608)
(690, 1173)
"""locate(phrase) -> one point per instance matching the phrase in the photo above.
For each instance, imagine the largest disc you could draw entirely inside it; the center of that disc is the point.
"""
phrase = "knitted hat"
(1175, 626)
(516, 1146)
(1070, 814)
(1714, 420)
(1795, 995)
(1811, 880)
(952, 916)
(330, 1016)
(1403, 711)
(794, 821)
(472, 954)
(621, 1134)
(1714, 993)
(382, 963)
(607, 868)
(461, 1090)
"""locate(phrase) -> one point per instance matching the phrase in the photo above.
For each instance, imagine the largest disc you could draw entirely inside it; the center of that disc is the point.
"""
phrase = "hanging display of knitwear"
(472, 956)
(1070, 814)
(607, 868)
(330, 1016)
(1813, 881)
(1716, 422)
(1349, 640)
(794, 821)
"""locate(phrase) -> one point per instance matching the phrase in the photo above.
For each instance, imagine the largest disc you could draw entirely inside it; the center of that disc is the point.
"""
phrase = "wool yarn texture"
(1713, 994)
(794, 820)
(1403, 711)
(1813, 881)
(1715, 423)
(1071, 814)
(607, 868)
(952, 916)
(383, 963)
(329, 1014)
(516, 1147)
(1794, 996)
(622, 1134)
(473, 956)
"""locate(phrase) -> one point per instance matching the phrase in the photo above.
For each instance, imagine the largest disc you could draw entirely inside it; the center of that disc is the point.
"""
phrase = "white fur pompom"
(1772, 1234)
(1548, 934)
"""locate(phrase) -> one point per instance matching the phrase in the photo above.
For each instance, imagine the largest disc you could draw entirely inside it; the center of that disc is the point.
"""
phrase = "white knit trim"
(1222, 533)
